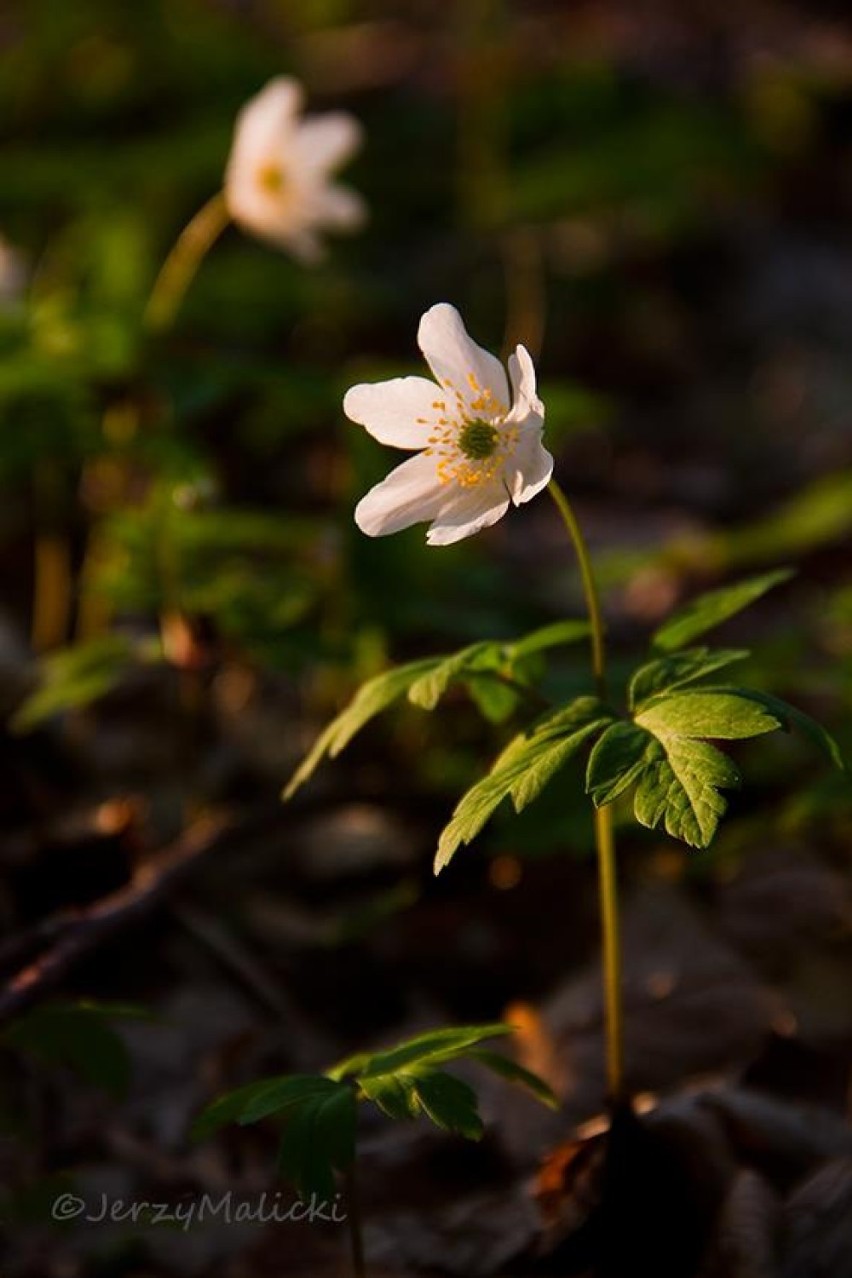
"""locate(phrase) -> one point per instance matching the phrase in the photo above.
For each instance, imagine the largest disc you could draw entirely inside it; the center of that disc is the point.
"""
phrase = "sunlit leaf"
(617, 760)
(370, 700)
(792, 717)
(710, 610)
(427, 691)
(514, 1073)
(679, 670)
(682, 790)
(665, 752)
(723, 713)
(552, 636)
(522, 770)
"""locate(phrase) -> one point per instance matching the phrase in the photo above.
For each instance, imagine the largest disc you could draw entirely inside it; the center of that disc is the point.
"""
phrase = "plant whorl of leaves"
(318, 1111)
(662, 749)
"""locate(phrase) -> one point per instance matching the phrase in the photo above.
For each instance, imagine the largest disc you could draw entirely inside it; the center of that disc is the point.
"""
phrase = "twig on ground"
(83, 930)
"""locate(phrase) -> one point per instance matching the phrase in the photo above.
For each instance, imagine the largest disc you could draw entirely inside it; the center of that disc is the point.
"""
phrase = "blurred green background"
(657, 204)
(657, 200)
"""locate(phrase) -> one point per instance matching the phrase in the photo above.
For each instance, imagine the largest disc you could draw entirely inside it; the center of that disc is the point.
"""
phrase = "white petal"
(468, 511)
(283, 222)
(410, 494)
(400, 412)
(460, 365)
(529, 468)
(324, 142)
(263, 123)
(302, 242)
(522, 373)
(337, 207)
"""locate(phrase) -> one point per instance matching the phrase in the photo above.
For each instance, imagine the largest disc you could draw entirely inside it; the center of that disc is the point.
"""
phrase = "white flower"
(477, 449)
(277, 181)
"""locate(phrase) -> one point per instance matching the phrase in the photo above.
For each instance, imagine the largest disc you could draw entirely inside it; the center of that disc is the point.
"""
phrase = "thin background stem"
(180, 267)
(604, 832)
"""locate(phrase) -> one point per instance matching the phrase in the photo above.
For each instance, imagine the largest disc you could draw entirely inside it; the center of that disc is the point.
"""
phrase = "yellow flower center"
(271, 178)
(469, 450)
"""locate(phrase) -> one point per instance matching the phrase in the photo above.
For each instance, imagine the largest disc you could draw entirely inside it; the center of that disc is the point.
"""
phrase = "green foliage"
(318, 1112)
(432, 1048)
(78, 1036)
(493, 669)
(421, 1089)
(523, 770)
(791, 717)
(710, 610)
(75, 677)
(665, 750)
(506, 1068)
(678, 670)
(681, 784)
(370, 700)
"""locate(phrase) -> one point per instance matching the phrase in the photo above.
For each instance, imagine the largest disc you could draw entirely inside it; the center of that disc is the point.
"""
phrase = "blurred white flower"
(478, 448)
(278, 178)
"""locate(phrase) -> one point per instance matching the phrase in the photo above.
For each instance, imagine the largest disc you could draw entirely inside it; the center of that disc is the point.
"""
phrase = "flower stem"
(353, 1215)
(182, 263)
(604, 833)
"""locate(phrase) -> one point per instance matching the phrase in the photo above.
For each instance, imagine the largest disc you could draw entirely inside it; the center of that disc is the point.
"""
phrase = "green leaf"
(370, 700)
(422, 1089)
(494, 699)
(318, 1114)
(281, 1094)
(552, 636)
(679, 670)
(318, 1139)
(430, 1048)
(522, 770)
(514, 1073)
(405, 1083)
(723, 713)
(791, 717)
(73, 678)
(425, 682)
(709, 610)
(665, 753)
(427, 691)
(78, 1037)
(618, 758)
(260, 1099)
(681, 791)
(450, 1103)
(228, 1108)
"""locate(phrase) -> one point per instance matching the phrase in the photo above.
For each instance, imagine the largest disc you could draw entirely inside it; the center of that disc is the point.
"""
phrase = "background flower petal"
(324, 142)
(453, 356)
(261, 125)
(338, 208)
(390, 410)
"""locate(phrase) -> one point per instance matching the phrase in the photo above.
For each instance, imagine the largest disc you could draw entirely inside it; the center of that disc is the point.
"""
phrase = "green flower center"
(478, 440)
